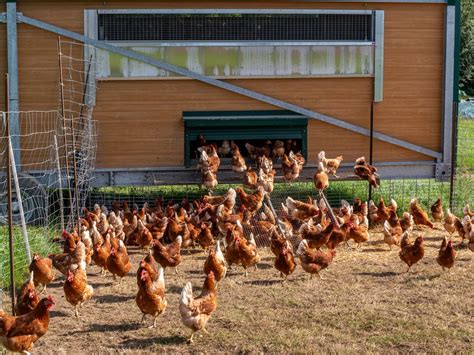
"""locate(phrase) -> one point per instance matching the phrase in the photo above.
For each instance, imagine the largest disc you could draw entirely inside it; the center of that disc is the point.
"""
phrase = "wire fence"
(427, 191)
(464, 178)
(43, 198)
(52, 158)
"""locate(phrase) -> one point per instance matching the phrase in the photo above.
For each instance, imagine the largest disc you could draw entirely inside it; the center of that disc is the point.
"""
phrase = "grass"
(427, 191)
(39, 242)
(466, 144)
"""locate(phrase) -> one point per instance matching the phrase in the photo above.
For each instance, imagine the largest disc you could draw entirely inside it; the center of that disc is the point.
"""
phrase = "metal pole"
(74, 164)
(85, 91)
(12, 48)
(73, 138)
(371, 143)
(10, 218)
(454, 150)
(63, 115)
(61, 202)
(270, 205)
(24, 231)
(332, 217)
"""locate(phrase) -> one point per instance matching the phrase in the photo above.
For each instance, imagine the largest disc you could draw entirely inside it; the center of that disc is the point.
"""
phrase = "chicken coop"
(352, 78)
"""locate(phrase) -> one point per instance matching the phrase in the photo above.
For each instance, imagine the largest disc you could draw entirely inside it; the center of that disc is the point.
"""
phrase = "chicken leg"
(190, 340)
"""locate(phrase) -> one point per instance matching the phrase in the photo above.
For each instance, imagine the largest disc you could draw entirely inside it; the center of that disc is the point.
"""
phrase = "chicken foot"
(153, 326)
(319, 276)
(190, 340)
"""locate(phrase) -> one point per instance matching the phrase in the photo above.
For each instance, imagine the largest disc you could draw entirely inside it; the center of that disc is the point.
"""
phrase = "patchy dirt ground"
(365, 303)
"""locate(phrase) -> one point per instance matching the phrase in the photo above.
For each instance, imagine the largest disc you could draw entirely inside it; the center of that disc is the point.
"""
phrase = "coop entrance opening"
(258, 128)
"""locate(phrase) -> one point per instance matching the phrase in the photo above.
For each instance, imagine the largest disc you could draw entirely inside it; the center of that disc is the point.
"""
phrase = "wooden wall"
(140, 122)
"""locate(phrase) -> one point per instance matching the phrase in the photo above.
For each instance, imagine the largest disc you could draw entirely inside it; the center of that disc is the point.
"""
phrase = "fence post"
(270, 205)
(10, 217)
(61, 201)
(454, 153)
(20, 202)
(332, 217)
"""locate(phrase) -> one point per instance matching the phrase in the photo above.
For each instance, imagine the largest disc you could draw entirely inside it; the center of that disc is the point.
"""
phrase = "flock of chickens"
(306, 230)
(209, 163)
(264, 175)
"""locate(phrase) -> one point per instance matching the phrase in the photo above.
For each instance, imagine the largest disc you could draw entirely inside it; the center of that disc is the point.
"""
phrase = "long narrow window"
(241, 43)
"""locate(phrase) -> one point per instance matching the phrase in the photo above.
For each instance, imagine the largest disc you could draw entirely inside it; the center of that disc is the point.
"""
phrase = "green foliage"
(466, 81)
(39, 242)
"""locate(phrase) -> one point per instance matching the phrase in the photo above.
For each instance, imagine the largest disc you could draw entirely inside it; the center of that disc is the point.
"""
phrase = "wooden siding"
(140, 122)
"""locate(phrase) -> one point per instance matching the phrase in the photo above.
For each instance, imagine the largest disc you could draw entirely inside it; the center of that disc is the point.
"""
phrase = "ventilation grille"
(235, 27)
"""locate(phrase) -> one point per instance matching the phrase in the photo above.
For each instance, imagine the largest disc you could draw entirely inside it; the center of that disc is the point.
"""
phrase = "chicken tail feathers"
(186, 294)
(290, 203)
(89, 292)
(393, 204)
(321, 156)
